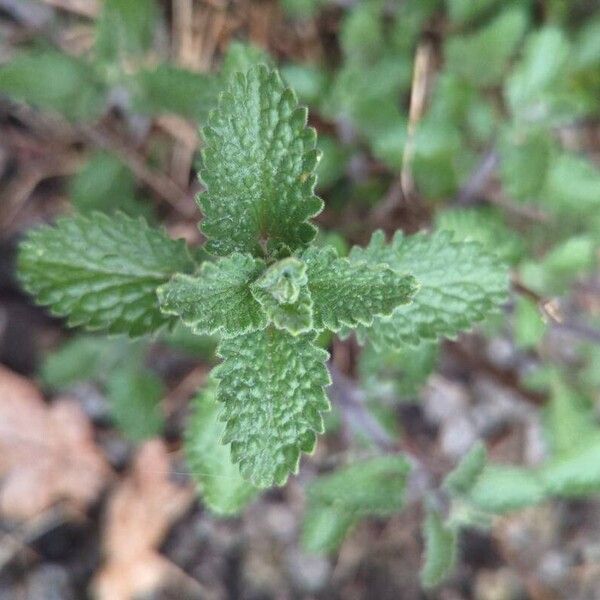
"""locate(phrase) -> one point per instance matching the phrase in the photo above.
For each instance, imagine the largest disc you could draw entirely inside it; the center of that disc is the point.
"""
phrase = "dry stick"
(85, 8)
(215, 22)
(182, 34)
(159, 183)
(350, 399)
(403, 188)
(185, 389)
(520, 210)
(579, 330)
(470, 192)
(548, 307)
(96, 136)
(551, 312)
(20, 189)
(473, 189)
(418, 97)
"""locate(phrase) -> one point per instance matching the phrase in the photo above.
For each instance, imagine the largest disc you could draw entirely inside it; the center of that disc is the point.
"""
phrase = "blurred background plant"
(481, 118)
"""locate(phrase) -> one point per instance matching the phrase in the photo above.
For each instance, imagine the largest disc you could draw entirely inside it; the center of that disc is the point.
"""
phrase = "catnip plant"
(267, 293)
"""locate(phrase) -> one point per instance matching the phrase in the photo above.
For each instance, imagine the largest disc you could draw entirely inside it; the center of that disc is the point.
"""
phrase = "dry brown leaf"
(139, 515)
(47, 453)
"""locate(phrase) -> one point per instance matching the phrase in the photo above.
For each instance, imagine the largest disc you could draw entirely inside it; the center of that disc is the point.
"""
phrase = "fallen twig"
(84, 8)
(159, 183)
(478, 180)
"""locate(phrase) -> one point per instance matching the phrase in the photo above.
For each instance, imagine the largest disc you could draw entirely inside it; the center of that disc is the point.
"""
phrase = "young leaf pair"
(269, 291)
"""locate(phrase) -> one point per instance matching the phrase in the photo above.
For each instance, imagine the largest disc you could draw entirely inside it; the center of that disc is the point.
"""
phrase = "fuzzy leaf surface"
(461, 284)
(258, 167)
(272, 386)
(218, 299)
(101, 272)
(349, 293)
(222, 487)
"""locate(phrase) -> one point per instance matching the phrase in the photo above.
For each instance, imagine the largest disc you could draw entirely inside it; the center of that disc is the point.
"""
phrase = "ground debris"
(47, 452)
(139, 515)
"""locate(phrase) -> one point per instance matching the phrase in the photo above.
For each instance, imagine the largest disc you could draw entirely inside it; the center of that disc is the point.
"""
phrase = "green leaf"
(182, 338)
(410, 20)
(324, 528)
(368, 97)
(258, 166)
(134, 394)
(529, 327)
(393, 373)
(501, 488)
(101, 272)
(561, 266)
(346, 293)
(572, 185)
(52, 80)
(170, 89)
(107, 185)
(463, 11)
(125, 28)
(440, 156)
(361, 33)
(575, 474)
(283, 281)
(282, 292)
(374, 486)
(369, 487)
(462, 479)
(333, 164)
(569, 422)
(272, 386)
(82, 358)
(301, 9)
(484, 225)
(587, 47)
(309, 82)
(481, 57)
(440, 550)
(461, 284)
(572, 257)
(525, 160)
(539, 72)
(590, 375)
(241, 57)
(218, 478)
(218, 299)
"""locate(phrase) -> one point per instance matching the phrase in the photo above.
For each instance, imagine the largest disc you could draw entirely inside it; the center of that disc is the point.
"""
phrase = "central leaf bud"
(284, 280)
